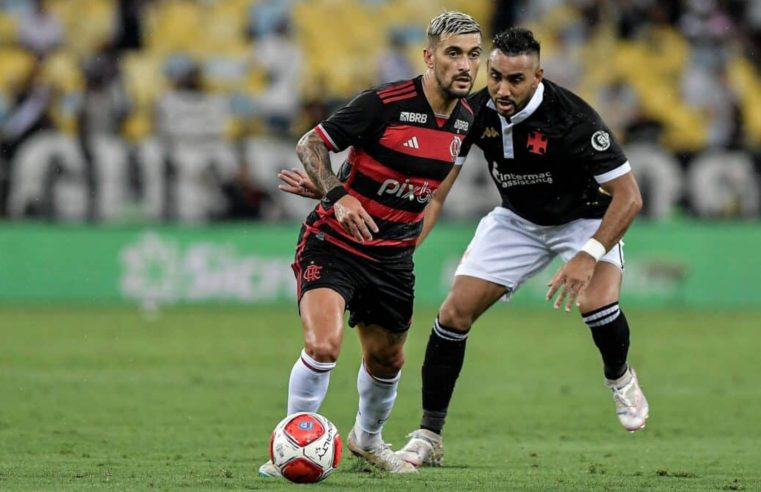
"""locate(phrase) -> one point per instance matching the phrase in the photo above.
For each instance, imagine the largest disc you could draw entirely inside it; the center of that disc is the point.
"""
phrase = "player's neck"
(441, 102)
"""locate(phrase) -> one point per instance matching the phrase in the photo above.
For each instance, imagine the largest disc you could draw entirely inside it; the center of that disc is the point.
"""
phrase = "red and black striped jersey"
(400, 153)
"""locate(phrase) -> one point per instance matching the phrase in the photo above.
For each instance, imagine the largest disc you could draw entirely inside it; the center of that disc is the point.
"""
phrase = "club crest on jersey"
(406, 190)
(600, 140)
(410, 117)
(312, 273)
(490, 133)
(536, 143)
(454, 147)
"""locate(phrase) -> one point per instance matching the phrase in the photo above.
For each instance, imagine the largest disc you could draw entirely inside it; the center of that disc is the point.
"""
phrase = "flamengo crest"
(454, 147)
(312, 273)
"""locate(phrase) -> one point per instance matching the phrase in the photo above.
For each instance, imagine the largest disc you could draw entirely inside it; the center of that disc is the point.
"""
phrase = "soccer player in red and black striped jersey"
(355, 249)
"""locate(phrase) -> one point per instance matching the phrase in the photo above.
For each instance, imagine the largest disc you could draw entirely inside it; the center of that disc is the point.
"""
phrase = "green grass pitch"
(101, 398)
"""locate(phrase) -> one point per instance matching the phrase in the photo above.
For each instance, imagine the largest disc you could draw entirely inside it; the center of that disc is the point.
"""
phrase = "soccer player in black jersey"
(567, 189)
(355, 249)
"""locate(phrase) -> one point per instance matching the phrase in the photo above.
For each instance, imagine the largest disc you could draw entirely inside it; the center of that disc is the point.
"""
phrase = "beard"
(454, 91)
(504, 109)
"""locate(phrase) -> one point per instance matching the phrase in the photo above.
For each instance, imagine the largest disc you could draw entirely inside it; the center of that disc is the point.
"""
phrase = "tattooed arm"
(349, 212)
(314, 156)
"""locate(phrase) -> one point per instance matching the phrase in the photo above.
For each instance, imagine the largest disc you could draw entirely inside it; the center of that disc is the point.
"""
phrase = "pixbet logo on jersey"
(406, 190)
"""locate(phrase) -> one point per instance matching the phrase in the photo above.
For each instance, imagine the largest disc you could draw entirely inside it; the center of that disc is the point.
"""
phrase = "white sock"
(308, 384)
(376, 399)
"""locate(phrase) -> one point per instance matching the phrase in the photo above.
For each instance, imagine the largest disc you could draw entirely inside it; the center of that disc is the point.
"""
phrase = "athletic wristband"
(594, 248)
(335, 194)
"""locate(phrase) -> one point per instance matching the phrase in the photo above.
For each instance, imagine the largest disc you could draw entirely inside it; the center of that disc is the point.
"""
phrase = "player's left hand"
(297, 182)
(571, 280)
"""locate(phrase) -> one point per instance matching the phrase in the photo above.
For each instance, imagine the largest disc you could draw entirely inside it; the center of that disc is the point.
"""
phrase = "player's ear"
(539, 74)
(428, 57)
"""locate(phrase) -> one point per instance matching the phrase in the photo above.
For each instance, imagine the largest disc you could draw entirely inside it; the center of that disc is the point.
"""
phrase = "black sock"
(610, 332)
(444, 356)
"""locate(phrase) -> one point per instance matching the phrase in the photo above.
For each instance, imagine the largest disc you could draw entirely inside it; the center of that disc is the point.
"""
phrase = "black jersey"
(549, 159)
(399, 156)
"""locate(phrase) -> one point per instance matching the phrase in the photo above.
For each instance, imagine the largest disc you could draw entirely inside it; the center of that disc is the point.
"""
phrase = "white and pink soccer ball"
(305, 447)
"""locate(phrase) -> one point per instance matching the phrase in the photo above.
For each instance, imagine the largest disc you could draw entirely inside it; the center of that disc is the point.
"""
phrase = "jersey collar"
(524, 113)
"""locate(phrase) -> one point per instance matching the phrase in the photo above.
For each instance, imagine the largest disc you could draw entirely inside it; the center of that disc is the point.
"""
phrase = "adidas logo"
(412, 143)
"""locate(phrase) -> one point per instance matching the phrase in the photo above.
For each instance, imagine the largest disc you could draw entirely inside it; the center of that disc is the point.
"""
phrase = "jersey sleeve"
(467, 143)
(592, 144)
(477, 102)
(352, 124)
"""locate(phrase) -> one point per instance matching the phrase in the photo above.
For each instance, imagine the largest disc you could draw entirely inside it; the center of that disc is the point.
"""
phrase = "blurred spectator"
(245, 198)
(128, 33)
(28, 115)
(594, 12)
(632, 16)
(316, 106)
(704, 84)
(619, 105)
(707, 28)
(751, 19)
(266, 15)
(191, 124)
(186, 113)
(393, 62)
(105, 104)
(505, 13)
(40, 30)
(537, 9)
(643, 129)
(564, 61)
(708, 90)
(103, 109)
(281, 57)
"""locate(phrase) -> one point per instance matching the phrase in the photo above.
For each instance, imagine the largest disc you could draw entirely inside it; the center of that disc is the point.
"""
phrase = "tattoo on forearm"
(316, 161)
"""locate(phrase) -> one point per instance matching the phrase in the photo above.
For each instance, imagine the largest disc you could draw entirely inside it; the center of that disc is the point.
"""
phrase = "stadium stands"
(649, 70)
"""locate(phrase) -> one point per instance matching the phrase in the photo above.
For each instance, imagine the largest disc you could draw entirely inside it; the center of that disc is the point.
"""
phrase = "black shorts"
(375, 293)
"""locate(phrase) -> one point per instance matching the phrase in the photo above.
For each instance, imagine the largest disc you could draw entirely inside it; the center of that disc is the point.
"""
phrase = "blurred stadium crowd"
(182, 110)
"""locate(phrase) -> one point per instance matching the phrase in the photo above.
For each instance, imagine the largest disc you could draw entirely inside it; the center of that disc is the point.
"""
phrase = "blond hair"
(451, 22)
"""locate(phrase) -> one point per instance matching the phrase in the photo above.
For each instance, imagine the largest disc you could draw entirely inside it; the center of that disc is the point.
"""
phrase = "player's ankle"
(436, 431)
(622, 380)
(367, 440)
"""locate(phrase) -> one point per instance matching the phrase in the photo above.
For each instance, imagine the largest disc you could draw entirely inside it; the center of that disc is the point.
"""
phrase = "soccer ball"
(305, 447)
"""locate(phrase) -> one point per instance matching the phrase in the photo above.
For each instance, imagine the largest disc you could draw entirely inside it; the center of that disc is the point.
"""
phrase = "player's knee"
(326, 350)
(591, 303)
(455, 316)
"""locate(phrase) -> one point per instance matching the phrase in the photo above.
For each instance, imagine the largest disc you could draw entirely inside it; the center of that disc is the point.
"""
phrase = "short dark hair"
(516, 41)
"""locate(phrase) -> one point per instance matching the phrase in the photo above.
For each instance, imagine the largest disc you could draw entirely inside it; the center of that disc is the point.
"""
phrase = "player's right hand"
(571, 280)
(297, 182)
(354, 218)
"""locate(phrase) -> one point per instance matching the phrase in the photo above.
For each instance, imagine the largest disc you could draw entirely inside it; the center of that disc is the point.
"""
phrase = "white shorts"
(508, 249)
